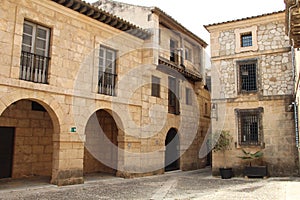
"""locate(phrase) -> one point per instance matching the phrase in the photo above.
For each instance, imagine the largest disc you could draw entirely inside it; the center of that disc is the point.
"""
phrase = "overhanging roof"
(104, 17)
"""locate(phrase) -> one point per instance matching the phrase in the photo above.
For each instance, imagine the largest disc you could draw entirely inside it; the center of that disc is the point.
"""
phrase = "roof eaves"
(104, 17)
(245, 18)
(185, 30)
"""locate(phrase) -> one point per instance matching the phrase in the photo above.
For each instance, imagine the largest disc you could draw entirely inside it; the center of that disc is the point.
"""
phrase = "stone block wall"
(280, 152)
(271, 50)
(33, 146)
(71, 97)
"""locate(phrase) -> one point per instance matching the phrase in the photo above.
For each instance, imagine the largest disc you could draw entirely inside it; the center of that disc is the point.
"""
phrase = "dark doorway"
(6, 151)
(172, 151)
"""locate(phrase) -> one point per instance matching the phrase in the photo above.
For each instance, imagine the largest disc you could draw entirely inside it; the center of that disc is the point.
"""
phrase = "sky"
(193, 14)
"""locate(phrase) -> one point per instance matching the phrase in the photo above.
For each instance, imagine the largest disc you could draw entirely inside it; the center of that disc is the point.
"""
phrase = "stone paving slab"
(197, 184)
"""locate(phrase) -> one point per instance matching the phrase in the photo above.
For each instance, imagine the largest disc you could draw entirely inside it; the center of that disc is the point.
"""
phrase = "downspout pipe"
(296, 123)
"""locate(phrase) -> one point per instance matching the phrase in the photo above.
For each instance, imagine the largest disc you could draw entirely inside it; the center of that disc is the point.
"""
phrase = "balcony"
(34, 67)
(107, 83)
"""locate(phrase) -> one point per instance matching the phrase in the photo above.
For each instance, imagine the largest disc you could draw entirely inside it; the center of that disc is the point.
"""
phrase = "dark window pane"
(246, 40)
(155, 86)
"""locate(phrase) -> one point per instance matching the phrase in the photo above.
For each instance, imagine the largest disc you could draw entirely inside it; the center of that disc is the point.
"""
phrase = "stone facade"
(268, 93)
(128, 123)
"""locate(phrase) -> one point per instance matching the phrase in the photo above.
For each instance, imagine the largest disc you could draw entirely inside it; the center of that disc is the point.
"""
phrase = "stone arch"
(172, 150)
(101, 144)
(34, 132)
(48, 102)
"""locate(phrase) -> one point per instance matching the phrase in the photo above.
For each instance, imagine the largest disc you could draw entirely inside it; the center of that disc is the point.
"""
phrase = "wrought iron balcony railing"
(34, 67)
(107, 83)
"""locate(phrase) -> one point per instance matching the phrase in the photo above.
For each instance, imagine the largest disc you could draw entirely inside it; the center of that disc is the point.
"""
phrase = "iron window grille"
(34, 62)
(247, 77)
(246, 40)
(155, 86)
(107, 71)
(250, 131)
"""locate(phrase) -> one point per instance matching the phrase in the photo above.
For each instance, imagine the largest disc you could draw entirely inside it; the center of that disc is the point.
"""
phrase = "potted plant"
(223, 144)
(256, 170)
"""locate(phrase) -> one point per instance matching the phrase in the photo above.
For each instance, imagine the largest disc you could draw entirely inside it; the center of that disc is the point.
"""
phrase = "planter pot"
(226, 173)
(255, 171)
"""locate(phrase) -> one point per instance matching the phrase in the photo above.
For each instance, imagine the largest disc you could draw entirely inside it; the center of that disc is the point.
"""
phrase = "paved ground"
(175, 185)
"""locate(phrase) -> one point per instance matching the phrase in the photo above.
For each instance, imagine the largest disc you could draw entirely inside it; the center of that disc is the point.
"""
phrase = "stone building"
(252, 91)
(83, 91)
(177, 48)
(292, 31)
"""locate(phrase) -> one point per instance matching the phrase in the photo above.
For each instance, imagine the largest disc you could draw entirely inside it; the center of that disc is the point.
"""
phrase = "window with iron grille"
(35, 53)
(250, 126)
(173, 96)
(155, 86)
(107, 71)
(248, 76)
(246, 39)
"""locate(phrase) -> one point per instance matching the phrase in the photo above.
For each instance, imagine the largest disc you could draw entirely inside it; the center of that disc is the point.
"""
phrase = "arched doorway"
(172, 153)
(26, 140)
(101, 146)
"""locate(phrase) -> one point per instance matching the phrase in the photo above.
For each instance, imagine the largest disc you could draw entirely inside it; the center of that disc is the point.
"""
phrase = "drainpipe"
(296, 123)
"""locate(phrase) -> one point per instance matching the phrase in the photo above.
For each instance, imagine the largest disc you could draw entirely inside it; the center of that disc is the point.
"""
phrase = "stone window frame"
(238, 39)
(258, 114)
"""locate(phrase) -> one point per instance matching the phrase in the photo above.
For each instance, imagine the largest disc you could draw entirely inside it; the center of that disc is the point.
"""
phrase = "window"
(173, 51)
(37, 107)
(188, 96)
(107, 71)
(250, 126)
(246, 40)
(155, 86)
(247, 76)
(188, 54)
(35, 53)
(173, 96)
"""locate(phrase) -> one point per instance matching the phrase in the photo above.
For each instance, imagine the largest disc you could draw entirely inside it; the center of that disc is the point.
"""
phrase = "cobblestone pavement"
(197, 184)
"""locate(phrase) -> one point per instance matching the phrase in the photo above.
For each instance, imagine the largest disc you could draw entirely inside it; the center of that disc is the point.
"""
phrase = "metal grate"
(250, 132)
(246, 40)
(248, 78)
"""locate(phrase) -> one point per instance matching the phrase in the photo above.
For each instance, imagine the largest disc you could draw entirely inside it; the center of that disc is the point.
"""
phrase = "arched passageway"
(26, 140)
(172, 153)
(101, 146)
